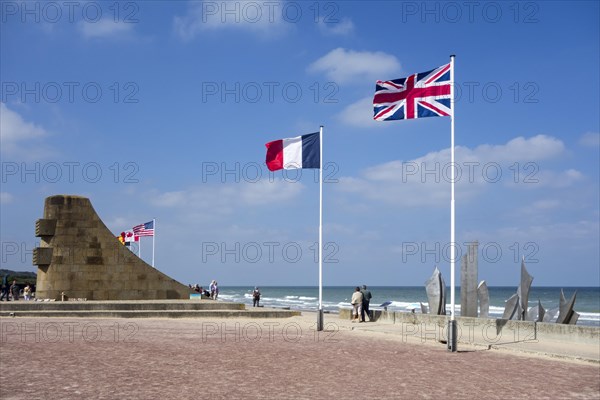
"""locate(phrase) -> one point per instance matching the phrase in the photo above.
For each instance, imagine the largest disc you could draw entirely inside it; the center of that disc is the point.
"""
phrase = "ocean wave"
(287, 301)
(589, 316)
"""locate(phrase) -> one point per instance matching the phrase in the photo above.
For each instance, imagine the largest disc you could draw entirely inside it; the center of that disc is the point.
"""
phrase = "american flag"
(425, 94)
(146, 229)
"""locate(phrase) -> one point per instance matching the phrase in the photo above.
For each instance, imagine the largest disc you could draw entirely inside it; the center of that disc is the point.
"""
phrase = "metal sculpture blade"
(483, 296)
(511, 307)
(550, 314)
(536, 313)
(523, 292)
(532, 313)
(574, 318)
(566, 308)
(541, 312)
(436, 293)
(443, 299)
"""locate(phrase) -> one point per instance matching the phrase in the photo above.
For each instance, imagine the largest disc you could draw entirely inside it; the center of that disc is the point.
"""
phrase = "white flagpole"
(452, 324)
(320, 313)
(139, 246)
(153, 237)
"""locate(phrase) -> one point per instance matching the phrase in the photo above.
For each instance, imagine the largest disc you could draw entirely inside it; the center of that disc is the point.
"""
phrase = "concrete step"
(149, 305)
(263, 313)
(139, 309)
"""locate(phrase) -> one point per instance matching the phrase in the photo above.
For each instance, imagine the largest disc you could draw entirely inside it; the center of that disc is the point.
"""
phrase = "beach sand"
(60, 358)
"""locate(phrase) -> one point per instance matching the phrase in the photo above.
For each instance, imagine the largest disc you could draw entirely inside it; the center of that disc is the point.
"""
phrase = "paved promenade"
(97, 358)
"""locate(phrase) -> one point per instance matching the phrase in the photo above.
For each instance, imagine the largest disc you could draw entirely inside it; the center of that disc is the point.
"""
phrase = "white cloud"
(14, 128)
(590, 139)
(519, 149)
(342, 27)
(544, 205)
(539, 207)
(360, 114)
(557, 179)
(117, 222)
(425, 181)
(15, 132)
(343, 65)
(265, 192)
(228, 212)
(340, 229)
(262, 18)
(580, 230)
(539, 240)
(223, 199)
(6, 198)
(104, 28)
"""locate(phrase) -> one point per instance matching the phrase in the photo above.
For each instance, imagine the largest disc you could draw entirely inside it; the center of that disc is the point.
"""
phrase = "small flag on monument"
(128, 237)
(146, 229)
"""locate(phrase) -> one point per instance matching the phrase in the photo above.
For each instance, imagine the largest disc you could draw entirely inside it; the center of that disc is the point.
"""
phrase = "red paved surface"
(264, 359)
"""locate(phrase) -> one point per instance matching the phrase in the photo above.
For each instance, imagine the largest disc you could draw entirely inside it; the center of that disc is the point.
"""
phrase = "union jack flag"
(425, 94)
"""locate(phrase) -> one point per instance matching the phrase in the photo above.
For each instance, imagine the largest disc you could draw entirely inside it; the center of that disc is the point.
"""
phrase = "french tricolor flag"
(293, 153)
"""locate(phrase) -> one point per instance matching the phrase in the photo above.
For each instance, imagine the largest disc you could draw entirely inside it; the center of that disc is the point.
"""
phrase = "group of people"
(199, 289)
(212, 293)
(13, 290)
(360, 304)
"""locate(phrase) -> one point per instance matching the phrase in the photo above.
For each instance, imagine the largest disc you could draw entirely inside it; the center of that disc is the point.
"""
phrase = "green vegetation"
(22, 277)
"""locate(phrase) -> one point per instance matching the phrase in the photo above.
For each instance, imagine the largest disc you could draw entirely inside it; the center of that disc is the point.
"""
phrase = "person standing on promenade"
(27, 292)
(365, 303)
(4, 288)
(357, 298)
(14, 289)
(214, 290)
(256, 297)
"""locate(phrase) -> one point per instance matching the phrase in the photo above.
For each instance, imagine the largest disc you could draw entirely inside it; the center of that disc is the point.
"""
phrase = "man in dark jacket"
(4, 288)
(365, 303)
(14, 290)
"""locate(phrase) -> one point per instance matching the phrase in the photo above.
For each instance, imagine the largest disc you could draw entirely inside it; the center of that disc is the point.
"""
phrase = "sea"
(408, 298)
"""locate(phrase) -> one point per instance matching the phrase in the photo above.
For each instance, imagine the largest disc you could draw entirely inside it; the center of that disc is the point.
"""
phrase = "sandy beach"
(68, 358)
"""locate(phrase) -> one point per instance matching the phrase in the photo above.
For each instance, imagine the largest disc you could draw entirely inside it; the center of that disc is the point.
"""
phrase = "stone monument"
(468, 281)
(79, 257)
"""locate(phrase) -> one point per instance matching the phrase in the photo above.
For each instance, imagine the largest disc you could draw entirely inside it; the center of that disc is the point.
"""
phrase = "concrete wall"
(80, 256)
(484, 331)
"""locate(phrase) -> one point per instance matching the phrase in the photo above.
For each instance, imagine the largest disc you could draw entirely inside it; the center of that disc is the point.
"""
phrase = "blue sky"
(157, 109)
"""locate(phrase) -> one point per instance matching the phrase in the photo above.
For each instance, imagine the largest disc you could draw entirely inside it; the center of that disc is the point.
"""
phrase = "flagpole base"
(320, 320)
(452, 335)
